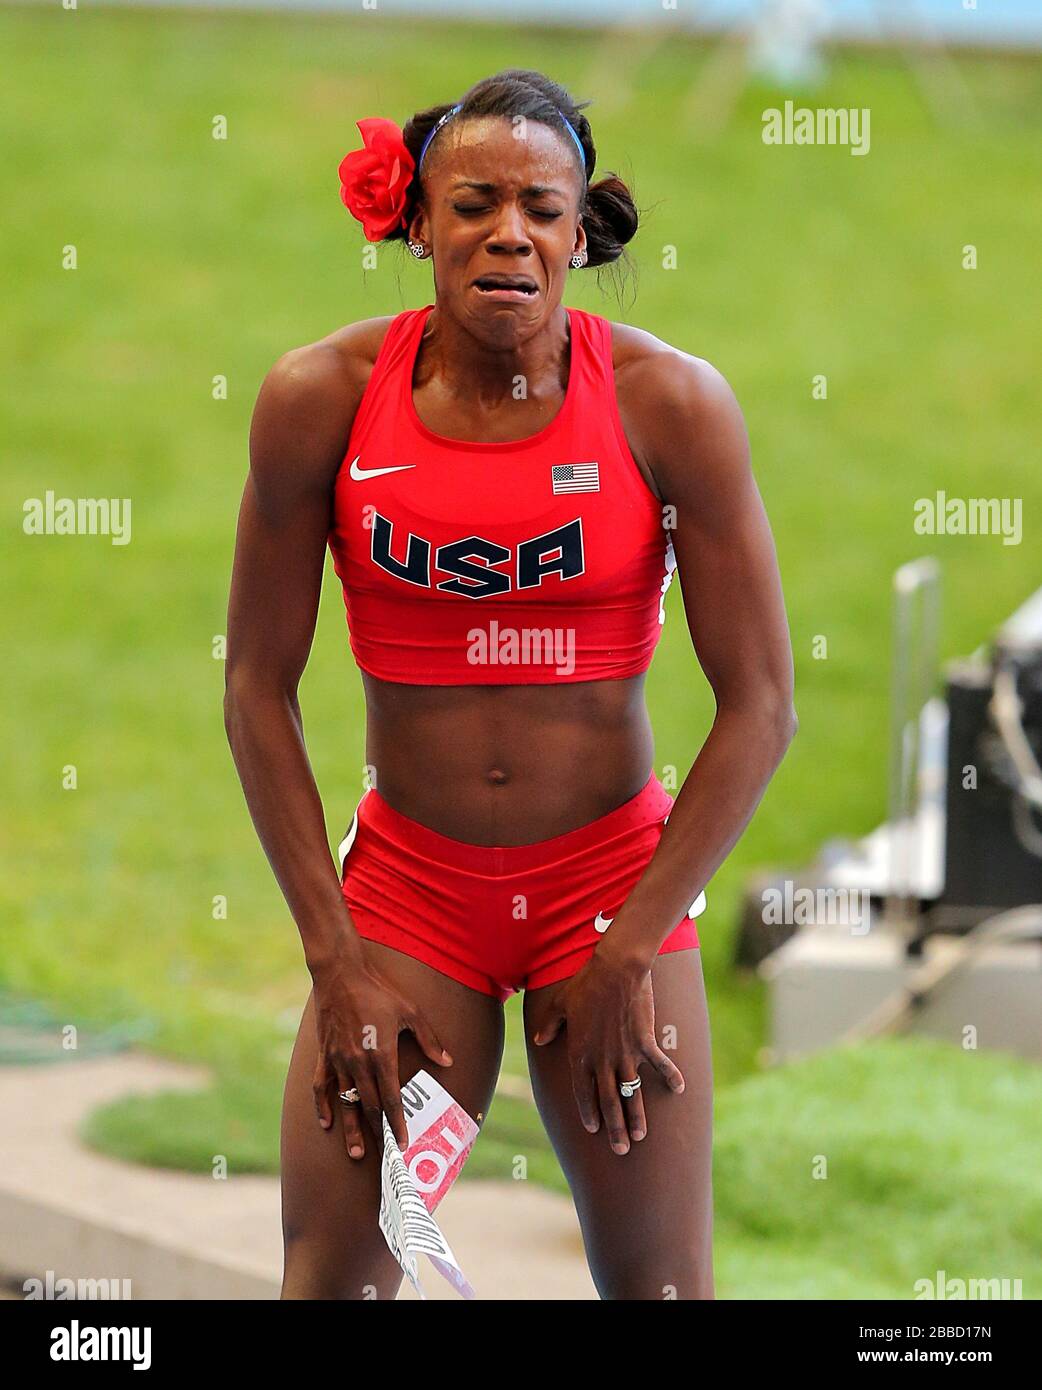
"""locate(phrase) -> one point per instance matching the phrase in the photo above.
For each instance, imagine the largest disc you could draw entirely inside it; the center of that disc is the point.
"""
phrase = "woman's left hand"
(608, 1014)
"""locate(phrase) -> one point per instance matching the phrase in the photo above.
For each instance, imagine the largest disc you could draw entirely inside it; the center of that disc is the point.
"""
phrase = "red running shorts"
(501, 918)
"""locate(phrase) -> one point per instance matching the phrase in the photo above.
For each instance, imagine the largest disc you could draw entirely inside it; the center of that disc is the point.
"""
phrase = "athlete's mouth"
(517, 287)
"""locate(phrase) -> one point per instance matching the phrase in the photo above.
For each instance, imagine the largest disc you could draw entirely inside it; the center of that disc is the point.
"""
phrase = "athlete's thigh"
(330, 1202)
(646, 1215)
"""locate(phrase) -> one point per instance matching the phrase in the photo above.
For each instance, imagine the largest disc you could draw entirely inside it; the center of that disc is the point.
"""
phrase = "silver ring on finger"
(350, 1097)
(627, 1088)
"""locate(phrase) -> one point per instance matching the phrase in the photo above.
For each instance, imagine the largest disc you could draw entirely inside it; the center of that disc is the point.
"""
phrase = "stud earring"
(578, 260)
(417, 248)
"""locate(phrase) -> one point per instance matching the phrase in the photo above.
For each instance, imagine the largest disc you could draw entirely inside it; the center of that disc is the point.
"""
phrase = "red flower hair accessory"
(374, 181)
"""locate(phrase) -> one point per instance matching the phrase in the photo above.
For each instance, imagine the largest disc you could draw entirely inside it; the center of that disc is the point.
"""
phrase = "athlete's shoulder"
(662, 376)
(681, 416)
(308, 401)
(335, 368)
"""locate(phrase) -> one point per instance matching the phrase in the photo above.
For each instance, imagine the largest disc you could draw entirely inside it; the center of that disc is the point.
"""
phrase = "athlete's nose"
(509, 233)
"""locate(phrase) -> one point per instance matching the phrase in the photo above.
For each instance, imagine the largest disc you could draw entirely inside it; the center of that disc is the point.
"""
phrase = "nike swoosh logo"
(347, 841)
(699, 905)
(359, 473)
(602, 923)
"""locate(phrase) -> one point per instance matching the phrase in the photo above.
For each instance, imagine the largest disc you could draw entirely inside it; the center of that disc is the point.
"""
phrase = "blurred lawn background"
(199, 258)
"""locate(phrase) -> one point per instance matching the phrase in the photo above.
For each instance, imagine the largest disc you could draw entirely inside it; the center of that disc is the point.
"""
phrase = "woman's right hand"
(358, 1016)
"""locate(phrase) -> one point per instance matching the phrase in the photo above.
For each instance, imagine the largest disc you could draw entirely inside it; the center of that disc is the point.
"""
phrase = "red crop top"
(534, 561)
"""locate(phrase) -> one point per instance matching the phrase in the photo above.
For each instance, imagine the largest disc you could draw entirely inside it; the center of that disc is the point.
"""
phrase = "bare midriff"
(508, 764)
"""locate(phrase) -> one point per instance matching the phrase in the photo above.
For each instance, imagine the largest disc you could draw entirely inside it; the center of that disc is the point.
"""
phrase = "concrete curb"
(83, 1215)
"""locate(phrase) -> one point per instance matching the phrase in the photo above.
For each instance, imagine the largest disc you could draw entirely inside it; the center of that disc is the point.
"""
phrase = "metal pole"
(916, 595)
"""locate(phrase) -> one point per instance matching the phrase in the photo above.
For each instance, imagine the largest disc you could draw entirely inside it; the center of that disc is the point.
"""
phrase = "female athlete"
(506, 486)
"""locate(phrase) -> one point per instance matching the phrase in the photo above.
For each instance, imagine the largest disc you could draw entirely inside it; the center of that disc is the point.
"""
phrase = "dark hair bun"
(610, 219)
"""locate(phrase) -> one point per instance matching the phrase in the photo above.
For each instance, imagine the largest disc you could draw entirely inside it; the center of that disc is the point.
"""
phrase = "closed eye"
(536, 212)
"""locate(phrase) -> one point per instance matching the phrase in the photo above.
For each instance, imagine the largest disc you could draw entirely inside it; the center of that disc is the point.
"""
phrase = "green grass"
(199, 257)
(855, 1173)
(850, 1174)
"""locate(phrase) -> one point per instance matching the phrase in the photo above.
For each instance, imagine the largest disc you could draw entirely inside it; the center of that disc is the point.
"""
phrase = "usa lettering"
(479, 568)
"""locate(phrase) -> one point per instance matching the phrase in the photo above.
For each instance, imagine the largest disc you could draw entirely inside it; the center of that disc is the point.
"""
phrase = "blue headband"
(452, 111)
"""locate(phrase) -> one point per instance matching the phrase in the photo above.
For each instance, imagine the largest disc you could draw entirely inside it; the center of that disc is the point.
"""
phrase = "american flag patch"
(575, 477)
